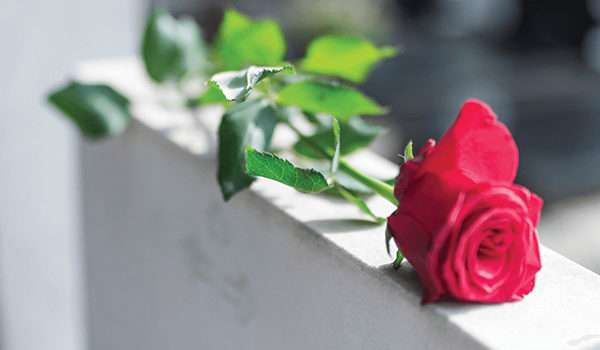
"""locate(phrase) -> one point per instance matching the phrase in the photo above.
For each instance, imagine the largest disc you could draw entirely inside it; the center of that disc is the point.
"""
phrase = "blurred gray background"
(535, 62)
(40, 262)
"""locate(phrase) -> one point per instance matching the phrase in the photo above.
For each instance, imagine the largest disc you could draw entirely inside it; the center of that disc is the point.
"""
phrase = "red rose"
(468, 231)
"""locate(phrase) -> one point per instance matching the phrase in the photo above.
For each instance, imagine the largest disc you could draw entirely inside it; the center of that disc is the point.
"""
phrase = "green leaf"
(272, 167)
(241, 40)
(171, 48)
(212, 95)
(408, 152)
(335, 160)
(340, 101)
(355, 134)
(97, 110)
(344, 57)
(248, 123)
(359, 203)
(319, 120)
(236, 85)
(232, 23)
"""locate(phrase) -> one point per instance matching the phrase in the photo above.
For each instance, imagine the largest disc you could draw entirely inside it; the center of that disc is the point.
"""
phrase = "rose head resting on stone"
(468, 231)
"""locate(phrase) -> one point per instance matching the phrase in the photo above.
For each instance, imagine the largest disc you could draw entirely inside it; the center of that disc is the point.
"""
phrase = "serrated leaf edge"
(273, 156)
(250, 83)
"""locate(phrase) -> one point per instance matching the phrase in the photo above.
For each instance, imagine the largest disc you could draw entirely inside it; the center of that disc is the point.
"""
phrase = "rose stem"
(378, 186)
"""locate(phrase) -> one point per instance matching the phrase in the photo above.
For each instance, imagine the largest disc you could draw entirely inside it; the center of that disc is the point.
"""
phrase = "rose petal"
(412, 240)
(477, 145)
(432, 198)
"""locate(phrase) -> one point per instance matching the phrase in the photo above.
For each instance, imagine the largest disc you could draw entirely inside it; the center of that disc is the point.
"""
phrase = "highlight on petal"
(477, 145)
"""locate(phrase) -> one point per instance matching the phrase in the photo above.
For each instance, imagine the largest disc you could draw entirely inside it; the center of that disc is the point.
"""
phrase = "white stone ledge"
(171, 266)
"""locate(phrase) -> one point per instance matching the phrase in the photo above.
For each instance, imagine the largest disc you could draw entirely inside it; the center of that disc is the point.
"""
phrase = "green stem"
(357, 201)
(377, 186)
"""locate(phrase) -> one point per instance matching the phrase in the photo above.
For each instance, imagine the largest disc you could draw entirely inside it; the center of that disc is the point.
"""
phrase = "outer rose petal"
(476, 145)
(533, 202)
(413, 241)
(420, 227)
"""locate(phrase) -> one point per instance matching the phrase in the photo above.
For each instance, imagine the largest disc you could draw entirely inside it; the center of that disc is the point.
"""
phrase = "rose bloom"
(468, 231)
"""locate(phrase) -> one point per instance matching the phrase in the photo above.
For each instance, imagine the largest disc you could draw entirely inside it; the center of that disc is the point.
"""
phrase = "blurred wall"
(41, 301)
